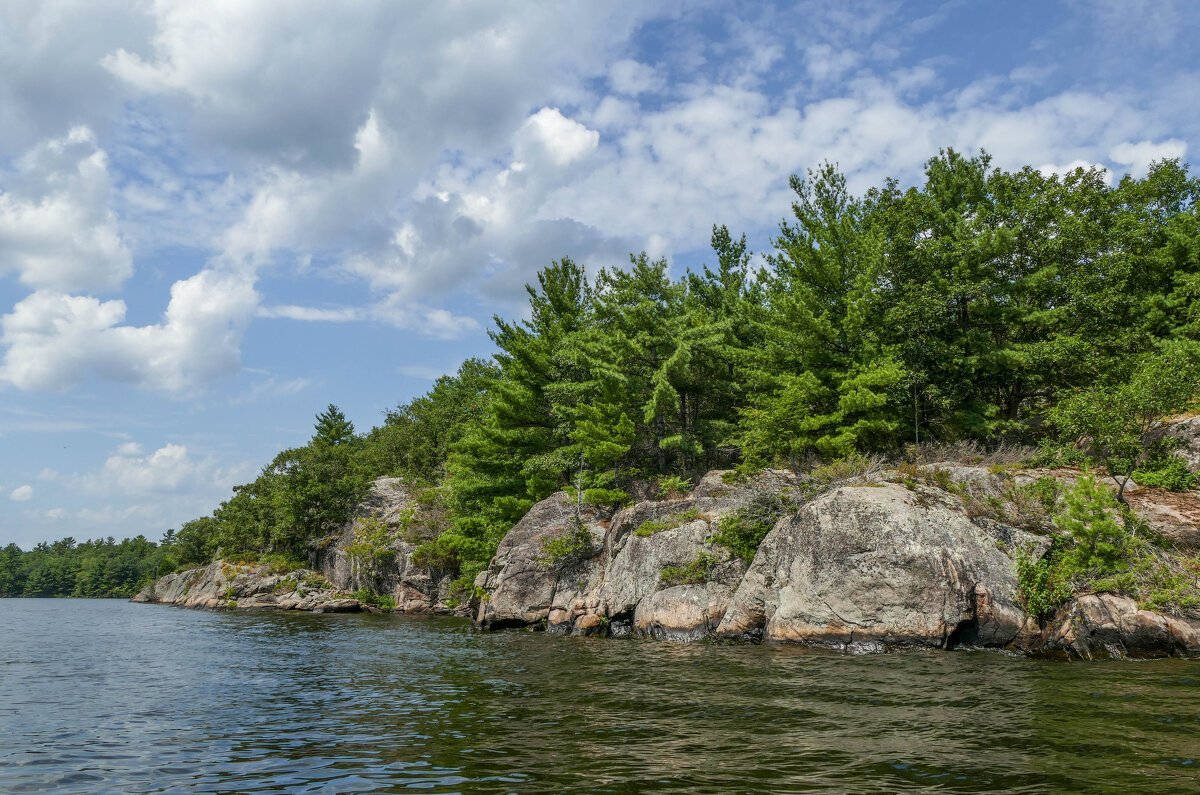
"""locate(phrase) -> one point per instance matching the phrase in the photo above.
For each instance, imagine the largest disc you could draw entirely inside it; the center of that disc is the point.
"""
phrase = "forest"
(983, 305)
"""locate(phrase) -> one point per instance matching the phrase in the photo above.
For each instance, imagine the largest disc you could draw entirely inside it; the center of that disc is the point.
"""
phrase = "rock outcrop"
(225, 585)
(877, 567)
(616, 583)
(1097, 626)
(372, 552)
(925, 562)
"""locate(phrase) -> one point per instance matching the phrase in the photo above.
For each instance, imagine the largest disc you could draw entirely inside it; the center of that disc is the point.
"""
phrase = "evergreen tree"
(823, 377)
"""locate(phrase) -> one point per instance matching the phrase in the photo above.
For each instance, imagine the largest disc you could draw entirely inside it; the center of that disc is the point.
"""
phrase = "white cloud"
(21, 494)
(56, 228)
(55, 341)
(563, 139)
(632, 78)
(170, 469)
(1138, 156)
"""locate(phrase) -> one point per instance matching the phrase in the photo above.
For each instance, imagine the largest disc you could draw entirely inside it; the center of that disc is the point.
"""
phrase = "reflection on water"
(106, 696)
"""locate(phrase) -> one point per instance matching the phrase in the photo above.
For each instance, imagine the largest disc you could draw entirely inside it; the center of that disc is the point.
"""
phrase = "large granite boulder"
(878, 567)
(520, 584)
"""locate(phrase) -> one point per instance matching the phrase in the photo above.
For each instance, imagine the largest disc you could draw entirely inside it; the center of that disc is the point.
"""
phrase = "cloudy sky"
(217, 218)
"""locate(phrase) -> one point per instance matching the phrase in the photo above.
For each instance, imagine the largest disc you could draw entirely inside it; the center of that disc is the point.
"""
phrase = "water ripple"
(111, 697)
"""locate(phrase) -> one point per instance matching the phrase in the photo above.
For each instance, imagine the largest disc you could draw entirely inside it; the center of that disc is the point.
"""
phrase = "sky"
(218, 218)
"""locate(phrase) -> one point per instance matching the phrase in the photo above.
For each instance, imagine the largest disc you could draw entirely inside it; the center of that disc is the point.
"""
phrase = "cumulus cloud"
(171, 469)
(21, 494)
(57, 230)
(1138, 156)
(55, 340)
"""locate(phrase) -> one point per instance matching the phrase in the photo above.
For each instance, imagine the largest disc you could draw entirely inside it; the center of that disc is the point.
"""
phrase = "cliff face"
(867, 565)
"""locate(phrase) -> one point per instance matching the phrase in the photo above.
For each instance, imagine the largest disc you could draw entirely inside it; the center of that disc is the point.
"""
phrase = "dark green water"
(105, 696)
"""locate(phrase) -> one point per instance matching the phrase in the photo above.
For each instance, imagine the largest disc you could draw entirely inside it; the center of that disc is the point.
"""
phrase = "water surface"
(106, 696)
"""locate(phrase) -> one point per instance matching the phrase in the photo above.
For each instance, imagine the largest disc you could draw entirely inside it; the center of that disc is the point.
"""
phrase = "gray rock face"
(1107, 625)
(522, 590)
(1188, 433)
(621, 589)
(876, 568)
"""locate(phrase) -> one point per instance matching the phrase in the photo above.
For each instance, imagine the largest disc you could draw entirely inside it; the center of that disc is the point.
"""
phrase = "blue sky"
(217, 218)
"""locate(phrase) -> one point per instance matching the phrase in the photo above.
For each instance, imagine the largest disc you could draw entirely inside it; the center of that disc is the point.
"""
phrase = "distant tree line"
(965, 308)
(93, 569)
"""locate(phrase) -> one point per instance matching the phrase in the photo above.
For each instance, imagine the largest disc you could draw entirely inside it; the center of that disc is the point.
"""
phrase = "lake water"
(106, 696)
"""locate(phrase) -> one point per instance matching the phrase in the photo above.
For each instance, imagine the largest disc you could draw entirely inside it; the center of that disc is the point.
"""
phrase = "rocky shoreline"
(877, 561)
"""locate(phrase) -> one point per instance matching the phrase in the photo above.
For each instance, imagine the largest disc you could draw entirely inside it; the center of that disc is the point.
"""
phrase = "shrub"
(692, 573)
(1168, 472)
(568, 549)
(370, 548)
(742, 531)
(1042, 584)
(650, 527)
(673, 486)
(387, 602)
(317, 582)
(440, 554)
(1101, 542)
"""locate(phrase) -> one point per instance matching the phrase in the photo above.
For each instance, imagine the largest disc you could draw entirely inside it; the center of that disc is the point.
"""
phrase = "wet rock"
(682, 612)
(1107, 625)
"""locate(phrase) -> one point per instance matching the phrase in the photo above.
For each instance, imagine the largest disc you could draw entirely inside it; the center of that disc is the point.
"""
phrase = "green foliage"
(743, 531)
(1112, 419)
(1043, 584)
(966, 310)
(673, 486)
(650, 527)
(103, 568)
(1165, 471)
(1101, 544)
(568, 549)
(439, 554)
(371, 549)
(692, 573)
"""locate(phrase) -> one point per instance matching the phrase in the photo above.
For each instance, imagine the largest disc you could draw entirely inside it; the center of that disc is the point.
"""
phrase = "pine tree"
(823, 378)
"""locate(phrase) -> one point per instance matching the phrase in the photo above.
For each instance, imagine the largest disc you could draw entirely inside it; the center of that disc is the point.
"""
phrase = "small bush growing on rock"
(317, 582)
(436, 555)
(1100, 546)
(673, 486)
(692, 573)
(568, 549)
(371, 544)
(371, 597)
(1042, 584)
(742, 531)
(1166, 471)
(650, 527)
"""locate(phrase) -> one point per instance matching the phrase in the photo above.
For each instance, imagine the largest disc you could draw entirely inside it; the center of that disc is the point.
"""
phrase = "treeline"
(95, 569)
(960, 309)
